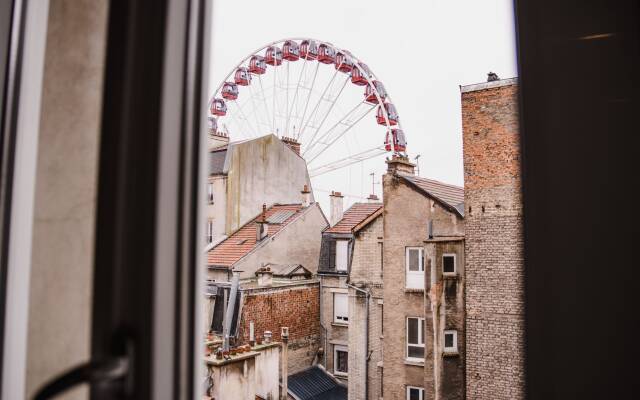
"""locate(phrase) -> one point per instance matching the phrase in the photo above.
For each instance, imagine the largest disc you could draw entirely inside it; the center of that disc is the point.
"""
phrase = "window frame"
(421, 338)
(210, 199)
(450, 350)
(455, 264)
(336, 349)
(346, 255)
(336, 319)
(415, 274)
(420, 391)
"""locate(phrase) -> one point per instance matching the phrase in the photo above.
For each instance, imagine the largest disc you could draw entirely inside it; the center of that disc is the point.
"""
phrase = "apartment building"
(350, 272)
(424, 279)
(494, 241)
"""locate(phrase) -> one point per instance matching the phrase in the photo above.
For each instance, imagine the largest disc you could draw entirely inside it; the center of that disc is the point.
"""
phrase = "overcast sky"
(421, 50)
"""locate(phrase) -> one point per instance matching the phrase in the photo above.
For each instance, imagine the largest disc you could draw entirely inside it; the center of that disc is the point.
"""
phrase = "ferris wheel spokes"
(345, 162)
(306, 104)
(315, 109)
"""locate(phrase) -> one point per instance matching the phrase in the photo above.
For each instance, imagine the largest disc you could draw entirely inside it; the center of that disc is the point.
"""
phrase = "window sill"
(341, 324)
(452, 276)
(341, 375)
(410, 290)
(415, 363)
(450, 354)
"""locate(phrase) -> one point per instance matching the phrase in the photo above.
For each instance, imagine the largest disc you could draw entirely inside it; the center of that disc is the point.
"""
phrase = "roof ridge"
(435, 180)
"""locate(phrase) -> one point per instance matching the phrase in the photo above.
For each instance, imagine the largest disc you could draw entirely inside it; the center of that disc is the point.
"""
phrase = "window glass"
(449, 263)
(415, 338)
(414, 393)
(341, 361)
(342, 254)
(340, 308)
(414, 260)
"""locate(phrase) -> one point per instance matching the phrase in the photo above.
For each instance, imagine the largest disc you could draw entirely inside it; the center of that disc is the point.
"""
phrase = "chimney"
(335, 198)
(492, 76)
(265, 276)
(261, 224)
(284, 335)
(292, 144)
(372, 198)
(400, 164)
(217, 138)
(306, 196)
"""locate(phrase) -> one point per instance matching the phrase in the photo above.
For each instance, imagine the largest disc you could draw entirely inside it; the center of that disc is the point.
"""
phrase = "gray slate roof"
(315, 384)
(450, 195)
(216, 161)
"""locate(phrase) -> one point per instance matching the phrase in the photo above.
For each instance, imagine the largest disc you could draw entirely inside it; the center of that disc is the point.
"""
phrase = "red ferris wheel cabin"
(370, 94)
(344, 61)
(257, 65)
(326, 54)
(397, 142)
(290, 51)
(230, 91)
(218, 107)
(273, 55)
(242, 76)
(308, 50)
(359, 78)
(391, 114)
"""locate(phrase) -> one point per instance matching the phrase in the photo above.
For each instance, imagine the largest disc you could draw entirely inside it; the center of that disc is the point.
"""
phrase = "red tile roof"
(450, 195)
(242, 241)
(356, 214)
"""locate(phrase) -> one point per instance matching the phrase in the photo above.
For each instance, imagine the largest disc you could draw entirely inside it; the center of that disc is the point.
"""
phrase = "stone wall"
(295, 306)
(493, 246)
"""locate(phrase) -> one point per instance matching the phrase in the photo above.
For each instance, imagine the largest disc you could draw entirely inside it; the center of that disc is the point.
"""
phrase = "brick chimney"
(400, 164)
(306, 196)
(372, 198)
(292, 144)
(335, 199)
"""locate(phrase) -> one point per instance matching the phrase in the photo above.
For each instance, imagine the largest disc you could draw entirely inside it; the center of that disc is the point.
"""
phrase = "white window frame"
(210, 192)
(421, 339)
(209, 231)
(336, 349)
(414, 279)
(342, 255)
(420, 391)
(341, 317)
(455, 264)
(454, 348)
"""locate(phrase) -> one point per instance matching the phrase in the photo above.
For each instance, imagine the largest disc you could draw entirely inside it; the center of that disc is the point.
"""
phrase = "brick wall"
(297, 307)
(493, 243)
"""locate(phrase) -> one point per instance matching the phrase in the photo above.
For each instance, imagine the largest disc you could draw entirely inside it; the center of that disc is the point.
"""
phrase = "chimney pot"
(306, 196)
(400, 164)
(373, 198)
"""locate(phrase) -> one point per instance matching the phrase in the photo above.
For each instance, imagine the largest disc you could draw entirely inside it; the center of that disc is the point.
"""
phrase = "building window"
(340, 361)
(341, 308)
(449, 264)
(210, 193)
(451, 341)
(414, 261)
(415, 339)
(415, 393)
(209, 231)
(342, 252)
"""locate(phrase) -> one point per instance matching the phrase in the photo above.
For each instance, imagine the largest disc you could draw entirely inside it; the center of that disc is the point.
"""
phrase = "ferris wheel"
(312, 93)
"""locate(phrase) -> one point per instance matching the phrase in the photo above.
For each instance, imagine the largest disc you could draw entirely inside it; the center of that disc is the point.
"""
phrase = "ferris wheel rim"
(367, 73)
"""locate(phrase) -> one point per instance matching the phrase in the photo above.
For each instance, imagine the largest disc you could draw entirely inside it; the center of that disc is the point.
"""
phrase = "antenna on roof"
(373, 183)
(417, 164)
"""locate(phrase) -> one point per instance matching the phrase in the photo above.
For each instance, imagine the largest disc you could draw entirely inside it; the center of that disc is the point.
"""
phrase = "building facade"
(424, 279)
(350, 270)
(493, 246)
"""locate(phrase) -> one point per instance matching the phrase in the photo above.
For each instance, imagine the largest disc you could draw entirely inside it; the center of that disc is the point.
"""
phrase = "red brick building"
(493, 245)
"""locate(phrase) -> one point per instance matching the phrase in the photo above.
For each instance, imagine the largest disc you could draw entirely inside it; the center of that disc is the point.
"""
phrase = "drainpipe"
(324, 348)
(230, 309)
(284, 335)
(366, 338)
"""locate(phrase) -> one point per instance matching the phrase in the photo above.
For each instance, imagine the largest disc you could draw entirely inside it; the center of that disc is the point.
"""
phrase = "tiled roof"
(450, 195)
(356, 214)
(242, 241)
(315, 384)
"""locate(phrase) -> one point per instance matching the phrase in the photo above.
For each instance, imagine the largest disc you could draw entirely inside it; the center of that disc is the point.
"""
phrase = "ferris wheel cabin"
(358, 77)
(326, 54)
(344, 62)
(370, 94)
(257, 65)
(242, 77)
(230, 91)
(218, 107)
(396, 142)
(391, 114)
(290, 51)
(309, 50)
(273, 55)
